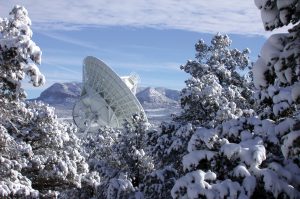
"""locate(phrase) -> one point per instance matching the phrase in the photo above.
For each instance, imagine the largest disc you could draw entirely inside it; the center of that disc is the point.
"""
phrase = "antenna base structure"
(106, 99)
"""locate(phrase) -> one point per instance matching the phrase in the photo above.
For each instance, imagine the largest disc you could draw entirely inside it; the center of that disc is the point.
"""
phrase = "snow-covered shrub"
(89, 188)
(98, 149)
(12, 158)
(98, 146)
(37, 151)
(46, 149)
(120, 187)
(158, 183)
(168, 144)
(216, 91)
(232, 162)
(132, 149)
(56, 162)
(211, 163)
(120, 157)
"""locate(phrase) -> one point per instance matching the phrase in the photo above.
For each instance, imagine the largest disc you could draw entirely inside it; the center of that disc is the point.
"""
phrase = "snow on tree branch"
(18, 54)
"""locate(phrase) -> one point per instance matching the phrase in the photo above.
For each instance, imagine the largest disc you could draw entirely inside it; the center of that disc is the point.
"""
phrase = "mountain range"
(61, 93)
(152, 95)
(68, 93)
(159, 103)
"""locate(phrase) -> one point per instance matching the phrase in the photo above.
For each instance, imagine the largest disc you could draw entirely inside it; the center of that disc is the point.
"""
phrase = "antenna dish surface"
(105, 99)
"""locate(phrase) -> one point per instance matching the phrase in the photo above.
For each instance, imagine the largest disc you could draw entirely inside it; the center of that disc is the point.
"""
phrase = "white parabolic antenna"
(106, 99)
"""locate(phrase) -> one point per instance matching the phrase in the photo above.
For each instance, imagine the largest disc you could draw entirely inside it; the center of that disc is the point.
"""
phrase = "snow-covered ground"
(158, 115)
(155, 115)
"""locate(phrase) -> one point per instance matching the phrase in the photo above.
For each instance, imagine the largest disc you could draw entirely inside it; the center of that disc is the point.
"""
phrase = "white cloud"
(71, 41)
(209, 16)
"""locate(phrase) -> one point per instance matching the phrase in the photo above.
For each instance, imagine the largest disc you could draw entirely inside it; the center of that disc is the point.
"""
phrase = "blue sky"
(149, 37)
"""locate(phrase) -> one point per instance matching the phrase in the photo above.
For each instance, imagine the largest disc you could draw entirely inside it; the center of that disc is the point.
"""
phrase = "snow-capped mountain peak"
(151, 95)
(61, 93)
(67, 93)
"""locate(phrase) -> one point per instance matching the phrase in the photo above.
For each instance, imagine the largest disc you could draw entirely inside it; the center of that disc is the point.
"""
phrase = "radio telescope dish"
(106, 99)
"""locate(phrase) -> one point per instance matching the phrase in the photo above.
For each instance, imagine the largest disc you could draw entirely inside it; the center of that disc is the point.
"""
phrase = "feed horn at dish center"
(106, 99)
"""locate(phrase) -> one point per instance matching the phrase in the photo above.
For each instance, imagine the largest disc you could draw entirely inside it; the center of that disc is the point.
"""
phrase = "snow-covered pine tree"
(134, 162)
(15, 36)
(232, 161)
(12, 182)
(242, 158)
(167, 147)
(277, 74)
(277, 80)
(18, 54)
(98, 148)
(158, 183)
(216, 90)
(120, 157)
(52, 161)
(39, 155)
(223, 162)
(132, 148)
